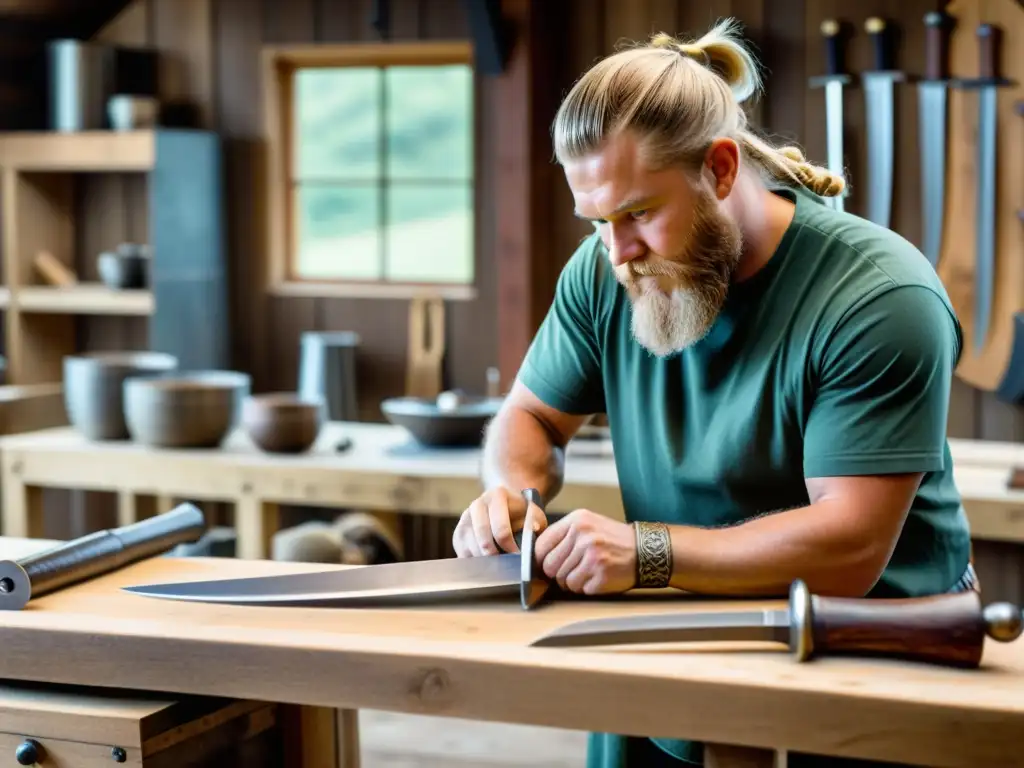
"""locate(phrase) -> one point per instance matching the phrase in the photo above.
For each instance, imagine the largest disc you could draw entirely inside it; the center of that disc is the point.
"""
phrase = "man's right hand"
(488, 526)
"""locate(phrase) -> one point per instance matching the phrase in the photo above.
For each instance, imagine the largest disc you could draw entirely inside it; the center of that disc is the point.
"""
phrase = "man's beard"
(689, 289)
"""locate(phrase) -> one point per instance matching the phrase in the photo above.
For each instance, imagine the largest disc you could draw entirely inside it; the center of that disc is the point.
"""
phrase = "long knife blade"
(390, 583)
(985, 204)
(948, 629)
(834, 81)
(426, 581)
(879, 92)
(718, 626)
(931, 103)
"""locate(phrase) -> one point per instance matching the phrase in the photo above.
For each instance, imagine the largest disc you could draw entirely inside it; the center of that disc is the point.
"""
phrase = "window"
(372, 178)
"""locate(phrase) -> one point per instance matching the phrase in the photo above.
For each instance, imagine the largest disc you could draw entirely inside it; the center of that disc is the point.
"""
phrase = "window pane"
(430, 233)
(429, 122)
(339, 235)
(338, 123)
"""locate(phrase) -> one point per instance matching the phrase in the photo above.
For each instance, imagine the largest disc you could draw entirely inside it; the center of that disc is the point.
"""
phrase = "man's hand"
(589, 553)
(488, 526)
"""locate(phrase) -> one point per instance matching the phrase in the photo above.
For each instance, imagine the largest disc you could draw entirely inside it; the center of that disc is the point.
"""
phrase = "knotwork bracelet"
(653, 554)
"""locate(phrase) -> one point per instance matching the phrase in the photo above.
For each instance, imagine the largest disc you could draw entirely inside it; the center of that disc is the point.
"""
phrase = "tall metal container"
(81, 79)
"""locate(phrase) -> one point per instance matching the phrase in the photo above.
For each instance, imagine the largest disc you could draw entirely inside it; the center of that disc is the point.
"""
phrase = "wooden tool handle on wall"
(426, 347)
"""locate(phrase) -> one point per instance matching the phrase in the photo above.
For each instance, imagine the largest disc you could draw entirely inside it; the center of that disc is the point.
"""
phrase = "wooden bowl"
(93, 386)
(283, 422)
(447, 421)
(186, 410)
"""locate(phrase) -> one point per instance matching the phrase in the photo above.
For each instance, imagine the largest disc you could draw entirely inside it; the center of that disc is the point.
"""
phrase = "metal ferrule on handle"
(95, 554)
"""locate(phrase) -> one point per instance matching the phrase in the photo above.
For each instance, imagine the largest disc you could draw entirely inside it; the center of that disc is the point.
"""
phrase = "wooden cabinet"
(64, 727)
(186, 301)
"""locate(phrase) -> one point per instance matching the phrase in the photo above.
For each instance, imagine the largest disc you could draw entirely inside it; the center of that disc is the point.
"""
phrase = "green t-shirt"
(836, 358)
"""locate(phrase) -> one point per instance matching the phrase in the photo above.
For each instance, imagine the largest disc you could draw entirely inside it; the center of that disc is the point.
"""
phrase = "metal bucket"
(327, 369)
(81, 79)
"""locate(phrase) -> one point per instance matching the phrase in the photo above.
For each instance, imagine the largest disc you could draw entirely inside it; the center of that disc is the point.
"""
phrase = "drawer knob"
(27, 752)
(118, 754)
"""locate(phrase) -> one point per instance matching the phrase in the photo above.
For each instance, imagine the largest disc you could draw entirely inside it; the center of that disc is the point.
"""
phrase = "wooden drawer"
(70, 727)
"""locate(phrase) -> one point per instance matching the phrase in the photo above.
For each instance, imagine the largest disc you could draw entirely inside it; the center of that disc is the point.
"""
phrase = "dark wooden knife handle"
(938, 26)
(947, 629)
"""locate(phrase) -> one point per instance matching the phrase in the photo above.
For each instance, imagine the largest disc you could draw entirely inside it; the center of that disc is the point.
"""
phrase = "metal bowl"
(185, 410)
(93, 385)
(444, 422)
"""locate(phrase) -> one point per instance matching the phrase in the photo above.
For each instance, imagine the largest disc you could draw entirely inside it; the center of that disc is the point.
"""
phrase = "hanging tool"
(880, 97)
(931, 109)
(833, 81)
(986, 84)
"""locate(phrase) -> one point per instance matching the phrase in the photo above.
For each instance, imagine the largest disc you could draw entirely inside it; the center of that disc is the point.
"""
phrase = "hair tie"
(695, 52)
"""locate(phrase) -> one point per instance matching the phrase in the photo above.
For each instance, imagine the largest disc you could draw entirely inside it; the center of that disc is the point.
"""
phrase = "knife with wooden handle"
(948, 629)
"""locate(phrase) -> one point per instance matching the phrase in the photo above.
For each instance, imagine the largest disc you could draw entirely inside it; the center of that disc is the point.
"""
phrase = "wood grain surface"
(472, 661)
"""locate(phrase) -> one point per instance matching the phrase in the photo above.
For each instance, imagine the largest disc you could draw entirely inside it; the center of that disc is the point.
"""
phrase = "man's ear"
(723, 161)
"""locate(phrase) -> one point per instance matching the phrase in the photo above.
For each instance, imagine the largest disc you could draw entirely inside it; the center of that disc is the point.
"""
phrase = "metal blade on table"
(687, 627)
(391, 583)
(931, 101)
(879, 91)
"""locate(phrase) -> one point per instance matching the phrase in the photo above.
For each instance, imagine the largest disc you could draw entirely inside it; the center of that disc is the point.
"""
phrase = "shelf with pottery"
(179, 289)
(80, 152)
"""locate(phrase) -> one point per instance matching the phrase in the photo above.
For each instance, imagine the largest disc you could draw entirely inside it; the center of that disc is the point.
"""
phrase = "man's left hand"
(589, 553)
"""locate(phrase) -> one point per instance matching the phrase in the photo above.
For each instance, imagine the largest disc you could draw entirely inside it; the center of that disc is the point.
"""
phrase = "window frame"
(279, 65)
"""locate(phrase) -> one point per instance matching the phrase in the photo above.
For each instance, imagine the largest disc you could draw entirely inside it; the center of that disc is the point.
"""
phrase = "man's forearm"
(519, 452)
(765, 555)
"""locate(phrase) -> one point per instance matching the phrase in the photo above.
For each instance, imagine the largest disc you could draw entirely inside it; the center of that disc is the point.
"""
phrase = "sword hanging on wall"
(880, 98)
(833, 81)
(931, 106)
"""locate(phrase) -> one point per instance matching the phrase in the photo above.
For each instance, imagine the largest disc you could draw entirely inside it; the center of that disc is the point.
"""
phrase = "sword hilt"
(948, 629)
(989, 51)
(880, 33)
(938, 26)
(831, 31)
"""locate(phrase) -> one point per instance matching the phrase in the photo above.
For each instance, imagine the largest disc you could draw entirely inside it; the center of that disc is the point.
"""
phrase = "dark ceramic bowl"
(185, 410)
(459, 421)
(93, 386)
(283, 422)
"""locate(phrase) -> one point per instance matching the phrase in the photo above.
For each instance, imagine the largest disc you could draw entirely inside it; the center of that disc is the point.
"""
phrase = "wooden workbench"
(382, 470)
(473, 661)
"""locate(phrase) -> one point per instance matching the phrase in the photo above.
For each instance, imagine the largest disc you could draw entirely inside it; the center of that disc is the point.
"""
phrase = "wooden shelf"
(84, 299)
(88, 151)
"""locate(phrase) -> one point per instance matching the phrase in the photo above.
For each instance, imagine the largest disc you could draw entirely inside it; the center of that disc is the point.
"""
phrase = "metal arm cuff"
(653, 554)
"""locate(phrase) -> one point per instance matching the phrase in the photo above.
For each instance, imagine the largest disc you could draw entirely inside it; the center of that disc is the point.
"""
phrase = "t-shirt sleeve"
(563, 363)
(884, 380)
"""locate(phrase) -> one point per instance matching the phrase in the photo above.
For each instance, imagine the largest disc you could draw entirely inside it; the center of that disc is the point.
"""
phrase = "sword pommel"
(879, 30)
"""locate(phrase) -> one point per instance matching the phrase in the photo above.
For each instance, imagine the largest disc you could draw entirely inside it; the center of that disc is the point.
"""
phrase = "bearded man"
(775, 372)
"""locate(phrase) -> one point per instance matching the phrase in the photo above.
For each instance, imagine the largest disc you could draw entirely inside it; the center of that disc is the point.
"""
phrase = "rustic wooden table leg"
(725, 756)
(22, 504)
(320, 737)
(256, 522)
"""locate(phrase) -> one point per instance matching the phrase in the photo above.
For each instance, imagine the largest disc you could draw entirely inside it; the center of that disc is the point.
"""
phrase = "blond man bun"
(679, 95)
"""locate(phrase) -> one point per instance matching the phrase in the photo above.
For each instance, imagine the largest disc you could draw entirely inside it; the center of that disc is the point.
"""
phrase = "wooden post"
(526, 95)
